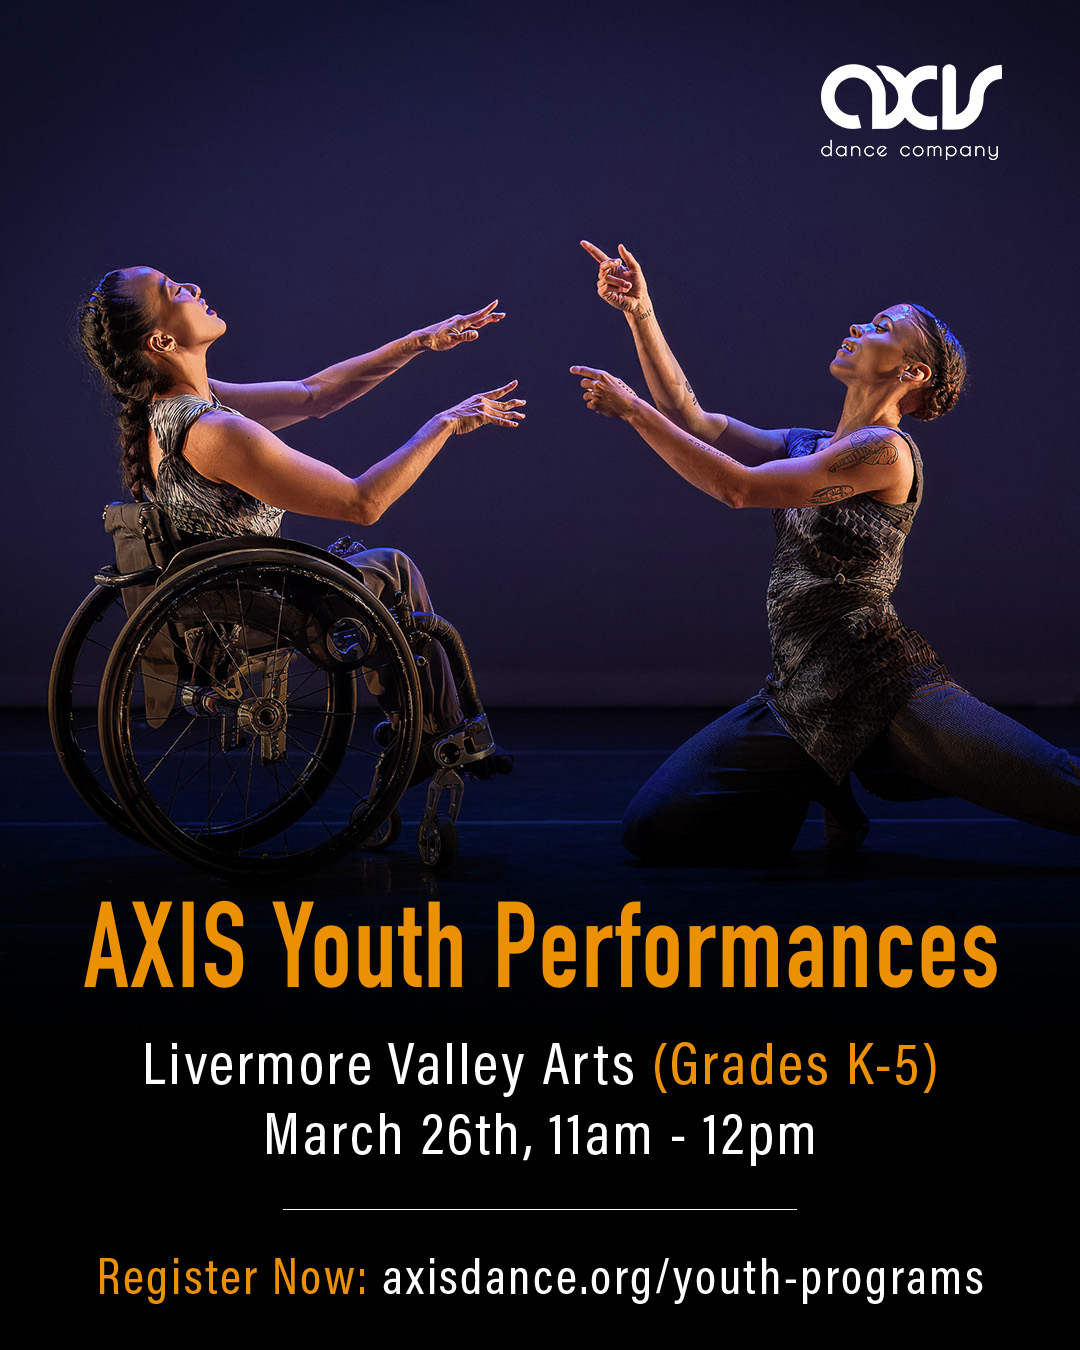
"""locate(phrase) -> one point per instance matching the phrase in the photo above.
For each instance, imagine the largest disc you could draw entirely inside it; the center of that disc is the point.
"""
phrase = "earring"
(906, 375)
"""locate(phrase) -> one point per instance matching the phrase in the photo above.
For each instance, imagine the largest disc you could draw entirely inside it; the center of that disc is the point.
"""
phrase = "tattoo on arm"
(689, 390)
(831, 494)
(867, 447)
(642, 315)
(717, 454)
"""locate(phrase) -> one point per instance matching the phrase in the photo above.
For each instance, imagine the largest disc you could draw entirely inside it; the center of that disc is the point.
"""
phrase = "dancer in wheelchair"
(207, 450)
(852, 688)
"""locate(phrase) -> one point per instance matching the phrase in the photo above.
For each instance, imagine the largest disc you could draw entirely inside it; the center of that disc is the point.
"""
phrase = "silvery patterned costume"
(194, 503)
(843, 663)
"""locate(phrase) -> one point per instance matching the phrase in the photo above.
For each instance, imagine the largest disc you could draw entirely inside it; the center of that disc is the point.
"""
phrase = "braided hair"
(112, 327)
(939, 348)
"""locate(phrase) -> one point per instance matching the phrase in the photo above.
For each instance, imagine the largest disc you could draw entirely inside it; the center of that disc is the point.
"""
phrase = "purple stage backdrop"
(334, 176)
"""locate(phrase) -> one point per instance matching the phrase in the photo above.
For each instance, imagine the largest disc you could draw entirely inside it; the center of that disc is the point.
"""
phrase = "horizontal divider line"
(538, 1209)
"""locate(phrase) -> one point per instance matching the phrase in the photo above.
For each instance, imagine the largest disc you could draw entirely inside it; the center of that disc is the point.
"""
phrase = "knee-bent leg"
(738, 790)
(386, 571)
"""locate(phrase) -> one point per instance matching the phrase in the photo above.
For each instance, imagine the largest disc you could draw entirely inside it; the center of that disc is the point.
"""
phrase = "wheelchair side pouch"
(143, 538)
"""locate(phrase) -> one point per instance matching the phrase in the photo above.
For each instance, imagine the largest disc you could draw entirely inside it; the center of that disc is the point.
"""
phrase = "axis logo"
(904, 108)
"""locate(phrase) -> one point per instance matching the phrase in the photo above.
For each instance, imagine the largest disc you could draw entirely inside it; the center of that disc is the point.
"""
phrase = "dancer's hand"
(604, 393)
(487, 410)
(621, 282)
(452, 332)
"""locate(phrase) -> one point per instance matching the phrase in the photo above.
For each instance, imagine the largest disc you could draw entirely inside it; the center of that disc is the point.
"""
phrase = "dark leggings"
(387, 571)
(740, 789)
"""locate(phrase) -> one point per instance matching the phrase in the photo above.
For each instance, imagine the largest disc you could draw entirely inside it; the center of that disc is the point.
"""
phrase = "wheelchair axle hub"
(262, 716)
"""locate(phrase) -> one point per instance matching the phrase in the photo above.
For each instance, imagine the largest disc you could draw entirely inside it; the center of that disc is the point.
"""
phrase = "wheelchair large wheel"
(237, 714)
(74, 685)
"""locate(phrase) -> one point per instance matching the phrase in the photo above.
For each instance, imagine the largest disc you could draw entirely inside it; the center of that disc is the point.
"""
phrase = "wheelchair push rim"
(237, 712)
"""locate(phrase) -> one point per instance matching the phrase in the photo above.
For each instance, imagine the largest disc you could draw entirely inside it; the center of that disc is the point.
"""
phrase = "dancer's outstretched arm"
(621, 284)
(238, 450)
(872, 460)
(281, 403)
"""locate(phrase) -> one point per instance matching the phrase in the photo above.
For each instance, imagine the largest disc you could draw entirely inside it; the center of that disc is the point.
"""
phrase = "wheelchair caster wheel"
(387, 833)
(437, 843)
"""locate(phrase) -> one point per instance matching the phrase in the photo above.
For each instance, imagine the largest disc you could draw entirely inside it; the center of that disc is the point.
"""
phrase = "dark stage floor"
(556, 820)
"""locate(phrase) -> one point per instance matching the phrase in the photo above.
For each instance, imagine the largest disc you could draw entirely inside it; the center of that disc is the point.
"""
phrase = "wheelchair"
(259, 711)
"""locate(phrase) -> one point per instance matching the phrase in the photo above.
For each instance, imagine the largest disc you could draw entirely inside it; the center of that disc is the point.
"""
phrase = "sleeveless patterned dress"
(843, 663)
(194, 503)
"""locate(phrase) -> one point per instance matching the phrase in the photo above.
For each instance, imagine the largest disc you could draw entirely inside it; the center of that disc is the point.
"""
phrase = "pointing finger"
(483, 315)
(594, 252)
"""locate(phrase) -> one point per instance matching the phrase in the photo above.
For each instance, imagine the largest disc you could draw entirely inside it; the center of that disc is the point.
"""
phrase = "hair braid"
(947, 360)
(112, 326)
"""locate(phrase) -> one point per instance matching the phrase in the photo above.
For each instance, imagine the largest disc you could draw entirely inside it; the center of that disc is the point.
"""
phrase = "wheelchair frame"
(259, 711)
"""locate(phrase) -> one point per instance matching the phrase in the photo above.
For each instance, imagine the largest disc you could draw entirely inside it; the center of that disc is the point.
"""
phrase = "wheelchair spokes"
(258, 757)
